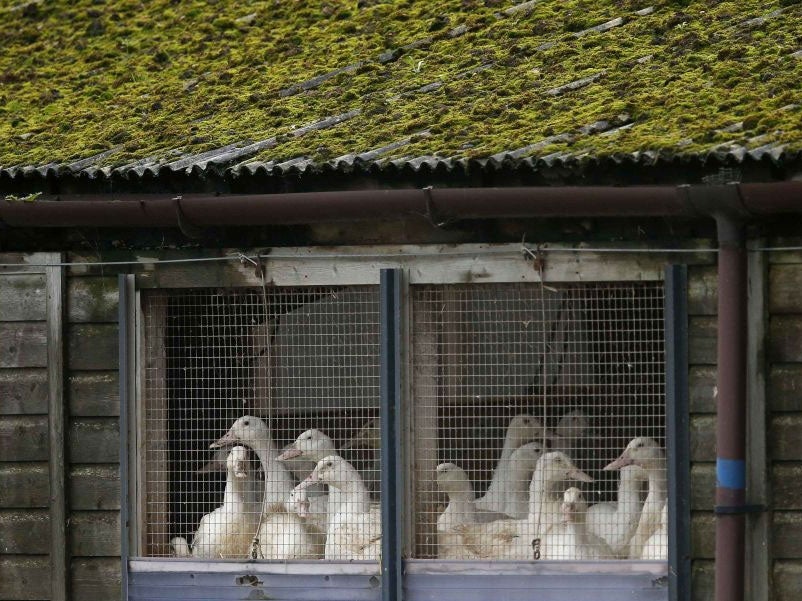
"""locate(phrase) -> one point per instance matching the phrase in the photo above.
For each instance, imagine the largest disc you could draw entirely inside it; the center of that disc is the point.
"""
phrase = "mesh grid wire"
(491, 366)
(294, 360)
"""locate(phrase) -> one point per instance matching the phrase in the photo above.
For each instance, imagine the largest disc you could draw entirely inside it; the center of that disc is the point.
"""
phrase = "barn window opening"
(523, 396)
(282, 378)
(534, 419)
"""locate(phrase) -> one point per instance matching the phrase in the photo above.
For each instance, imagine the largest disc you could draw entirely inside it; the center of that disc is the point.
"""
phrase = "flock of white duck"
(529, 510)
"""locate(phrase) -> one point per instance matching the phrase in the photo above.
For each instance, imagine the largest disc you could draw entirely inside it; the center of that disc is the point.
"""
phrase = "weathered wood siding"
(93, 435)
(24, 484)
(702, 305)
(784, 349)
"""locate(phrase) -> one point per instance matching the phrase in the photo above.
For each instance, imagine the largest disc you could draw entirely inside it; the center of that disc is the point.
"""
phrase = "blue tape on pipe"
(730, 473)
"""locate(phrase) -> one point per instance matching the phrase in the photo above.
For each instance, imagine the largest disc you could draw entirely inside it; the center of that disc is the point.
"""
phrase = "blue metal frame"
(678, 433)
(124, 333)
(390, 399)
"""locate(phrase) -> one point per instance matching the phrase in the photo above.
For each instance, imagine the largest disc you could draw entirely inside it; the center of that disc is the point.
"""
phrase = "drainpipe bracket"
(723, 203)
(189, 229)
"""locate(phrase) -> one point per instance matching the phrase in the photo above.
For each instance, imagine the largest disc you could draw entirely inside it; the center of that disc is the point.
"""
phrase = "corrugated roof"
(278, 88)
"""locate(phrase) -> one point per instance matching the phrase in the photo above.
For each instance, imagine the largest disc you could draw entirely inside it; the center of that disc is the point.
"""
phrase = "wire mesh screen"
(539, 421)
(283, 383)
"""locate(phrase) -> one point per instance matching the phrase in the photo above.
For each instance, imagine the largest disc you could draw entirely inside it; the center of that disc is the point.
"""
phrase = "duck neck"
(629, 497)
(234, 494)
(462, 502)
(657, 486)
(353, 497)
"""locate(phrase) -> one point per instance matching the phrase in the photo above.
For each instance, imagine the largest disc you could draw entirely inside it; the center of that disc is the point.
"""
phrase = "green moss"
(146, 79)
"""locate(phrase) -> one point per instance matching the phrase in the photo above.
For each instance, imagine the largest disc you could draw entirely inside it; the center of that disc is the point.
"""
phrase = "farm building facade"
(426, 247)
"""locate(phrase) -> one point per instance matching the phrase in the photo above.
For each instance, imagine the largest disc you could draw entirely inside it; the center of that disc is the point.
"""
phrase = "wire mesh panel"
(283, 384)
(539, 421)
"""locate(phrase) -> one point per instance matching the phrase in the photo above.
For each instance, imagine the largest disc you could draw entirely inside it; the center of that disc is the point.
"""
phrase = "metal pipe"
(437, 205)
(731, 410)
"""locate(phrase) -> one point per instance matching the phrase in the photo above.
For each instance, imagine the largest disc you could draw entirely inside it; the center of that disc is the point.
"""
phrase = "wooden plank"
(153, 495)
(92, 346)
(95, 534)
(703, 486)
(94, 394)
(95, 579)
(24, 485)
(703, 535)
(702, 340)
(785, 282)
(785, 387)
(94, 440)
(24, 532)
(23, 262)
(23, 344)
(786, 532)
(703, 439)
(787, 581)
(425, 432)
(702, 384)
(758, 532)
(95, 487)
(786, 486)
(22, 297)
(59, 573)
(23, 438)
(428, 264)
(702, 580)
(23, 391)
(702, 290)
(785, 332)
(92, 299)
(24, 578)
(785, 433)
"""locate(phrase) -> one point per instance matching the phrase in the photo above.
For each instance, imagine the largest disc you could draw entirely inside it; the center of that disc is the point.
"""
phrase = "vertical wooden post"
(758, 557)
(59, 559)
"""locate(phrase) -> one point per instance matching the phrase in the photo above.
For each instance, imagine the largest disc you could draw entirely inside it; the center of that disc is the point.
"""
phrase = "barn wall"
(784, 351)
(93, 430)
(24, 449)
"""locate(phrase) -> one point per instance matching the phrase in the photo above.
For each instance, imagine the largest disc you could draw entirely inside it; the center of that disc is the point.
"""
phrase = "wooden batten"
(59, 559)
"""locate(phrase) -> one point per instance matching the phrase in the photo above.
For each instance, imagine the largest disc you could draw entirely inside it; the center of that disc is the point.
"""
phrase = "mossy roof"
(133, 86)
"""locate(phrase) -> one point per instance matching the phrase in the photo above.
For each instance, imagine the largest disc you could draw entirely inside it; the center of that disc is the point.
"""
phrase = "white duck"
(227, 531)
(515, 539)
(657, 545)
(517, 478)
(364, 449)
(312, 509)
(568, 433)
(282, 534)
(461, 509)
(646, 453)
(571, 540)
(354, 530)
(616, 522)
(313, 445)
(522, 429)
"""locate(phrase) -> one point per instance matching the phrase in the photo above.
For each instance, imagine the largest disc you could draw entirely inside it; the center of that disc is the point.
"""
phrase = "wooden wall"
(91, 431)
(784, 350)
(91, 391)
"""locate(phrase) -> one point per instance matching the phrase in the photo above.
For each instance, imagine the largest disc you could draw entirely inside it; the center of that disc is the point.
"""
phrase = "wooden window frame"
(435, 264)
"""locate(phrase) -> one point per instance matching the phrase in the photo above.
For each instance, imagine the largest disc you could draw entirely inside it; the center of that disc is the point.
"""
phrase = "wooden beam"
(758, 544)
(59, 561)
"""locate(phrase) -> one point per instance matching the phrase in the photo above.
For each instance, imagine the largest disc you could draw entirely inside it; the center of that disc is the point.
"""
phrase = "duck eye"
(329, 463)
(245, 423)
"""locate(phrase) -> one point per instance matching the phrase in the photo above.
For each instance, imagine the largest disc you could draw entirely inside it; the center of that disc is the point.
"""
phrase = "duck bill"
(622, 461)
(289, 454)
(577, 474)
(226, 440)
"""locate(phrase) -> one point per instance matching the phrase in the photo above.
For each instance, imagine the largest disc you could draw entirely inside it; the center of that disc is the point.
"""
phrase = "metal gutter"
(438, 205)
